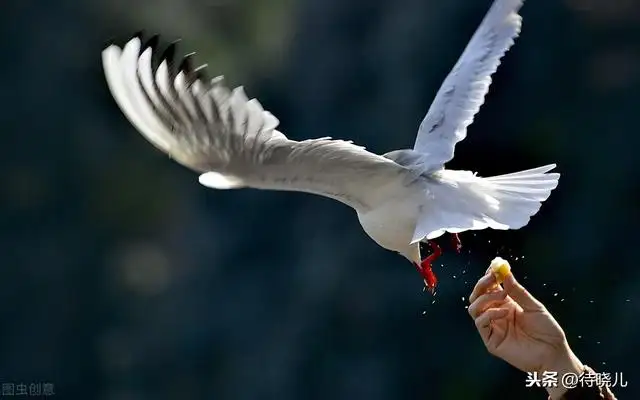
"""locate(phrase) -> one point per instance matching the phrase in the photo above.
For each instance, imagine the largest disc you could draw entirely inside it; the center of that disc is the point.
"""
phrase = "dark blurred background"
(122, 278)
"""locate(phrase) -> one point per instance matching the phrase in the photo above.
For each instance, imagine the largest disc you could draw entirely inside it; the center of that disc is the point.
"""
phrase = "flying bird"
(401, 198)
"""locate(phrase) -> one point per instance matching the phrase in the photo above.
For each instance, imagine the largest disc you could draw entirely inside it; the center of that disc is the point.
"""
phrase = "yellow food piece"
(500, 268)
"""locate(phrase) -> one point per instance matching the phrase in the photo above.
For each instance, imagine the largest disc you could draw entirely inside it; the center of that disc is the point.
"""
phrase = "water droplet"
(590, 301)
(561, 299)
(516, 258)
(604, 363)
(424, 312)
(598, 342)
(628, 300)
(523, 257)
(524, 277)
(579, 336)
(544, 284)
(555, 294)
(462, 298)
(433, 302)
(465, 307)
(454, 277)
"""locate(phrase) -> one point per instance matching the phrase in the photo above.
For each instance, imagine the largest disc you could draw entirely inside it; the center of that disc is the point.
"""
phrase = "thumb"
(521, 295)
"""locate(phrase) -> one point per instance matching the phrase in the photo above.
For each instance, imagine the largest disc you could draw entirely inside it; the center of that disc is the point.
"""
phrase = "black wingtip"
(186, 65)
(137, 35)
(200, 73)
(109, 42)
(170, 52)
(152, 43)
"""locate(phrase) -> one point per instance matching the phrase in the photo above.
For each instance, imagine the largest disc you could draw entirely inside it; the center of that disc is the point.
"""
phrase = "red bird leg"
(426, 270)
(455, 241)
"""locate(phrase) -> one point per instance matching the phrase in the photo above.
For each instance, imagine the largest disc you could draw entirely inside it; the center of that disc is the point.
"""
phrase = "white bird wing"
(231, 140)
(463, 91)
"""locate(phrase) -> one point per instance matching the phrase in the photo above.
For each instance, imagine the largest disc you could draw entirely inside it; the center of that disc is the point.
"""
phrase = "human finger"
(521, 295)
(483, 322)
(485, 301)
(496, 286)
(484, 284)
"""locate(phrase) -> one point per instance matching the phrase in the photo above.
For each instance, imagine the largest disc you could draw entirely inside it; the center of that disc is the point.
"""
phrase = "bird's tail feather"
(462, 201)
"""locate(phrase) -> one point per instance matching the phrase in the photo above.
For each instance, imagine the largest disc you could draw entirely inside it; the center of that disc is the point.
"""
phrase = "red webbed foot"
(426, 270)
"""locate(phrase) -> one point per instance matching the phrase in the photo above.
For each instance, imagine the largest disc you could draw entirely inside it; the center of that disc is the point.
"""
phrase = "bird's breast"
(391, 225)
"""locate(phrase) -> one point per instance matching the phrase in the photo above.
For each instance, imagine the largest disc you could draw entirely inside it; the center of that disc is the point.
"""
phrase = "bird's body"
(392, 224)
(401, 198)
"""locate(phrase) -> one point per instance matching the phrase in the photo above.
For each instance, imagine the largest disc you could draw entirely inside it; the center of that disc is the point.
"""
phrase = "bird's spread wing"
(463, 91)
(231, 140)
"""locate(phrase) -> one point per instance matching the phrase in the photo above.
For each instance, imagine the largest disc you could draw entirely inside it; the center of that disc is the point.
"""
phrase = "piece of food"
(500, 269)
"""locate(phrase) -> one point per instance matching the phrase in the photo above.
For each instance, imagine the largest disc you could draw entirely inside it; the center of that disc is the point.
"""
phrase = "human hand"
(517, 328)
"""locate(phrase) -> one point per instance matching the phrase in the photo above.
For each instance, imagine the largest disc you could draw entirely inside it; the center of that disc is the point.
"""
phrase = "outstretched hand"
(517, 328)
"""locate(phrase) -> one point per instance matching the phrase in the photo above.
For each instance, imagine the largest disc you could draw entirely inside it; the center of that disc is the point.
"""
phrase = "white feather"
(462, 201)
(463, 91)
(233, 142)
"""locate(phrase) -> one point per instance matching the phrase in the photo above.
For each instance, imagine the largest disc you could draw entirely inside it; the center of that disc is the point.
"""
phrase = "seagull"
(401, 198)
